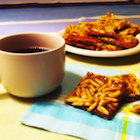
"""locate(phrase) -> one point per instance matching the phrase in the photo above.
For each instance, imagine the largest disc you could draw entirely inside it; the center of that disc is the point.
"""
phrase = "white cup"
(31, 74)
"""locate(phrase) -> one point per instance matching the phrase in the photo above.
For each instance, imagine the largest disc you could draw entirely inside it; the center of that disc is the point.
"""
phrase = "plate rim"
(93, 53)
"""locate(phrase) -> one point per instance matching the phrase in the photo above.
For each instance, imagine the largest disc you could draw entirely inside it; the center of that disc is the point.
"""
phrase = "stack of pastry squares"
(101, 95)
(106, 34)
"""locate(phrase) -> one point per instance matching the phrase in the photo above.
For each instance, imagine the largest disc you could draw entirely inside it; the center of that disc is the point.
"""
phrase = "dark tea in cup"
(31, 50)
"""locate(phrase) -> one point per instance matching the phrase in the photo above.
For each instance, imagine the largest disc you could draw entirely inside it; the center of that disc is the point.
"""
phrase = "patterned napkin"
(50, 113)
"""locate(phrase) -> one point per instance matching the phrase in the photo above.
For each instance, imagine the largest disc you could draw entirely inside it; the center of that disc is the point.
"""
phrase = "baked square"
(98, 94)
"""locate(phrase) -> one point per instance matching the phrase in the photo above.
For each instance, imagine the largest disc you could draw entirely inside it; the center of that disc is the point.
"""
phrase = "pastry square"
(132, 92)
(97, 94)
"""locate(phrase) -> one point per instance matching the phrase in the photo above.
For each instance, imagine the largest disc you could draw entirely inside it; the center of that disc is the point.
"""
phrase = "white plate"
(92, 53)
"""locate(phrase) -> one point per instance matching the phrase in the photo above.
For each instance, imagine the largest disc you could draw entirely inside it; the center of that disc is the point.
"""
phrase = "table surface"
(12, 108)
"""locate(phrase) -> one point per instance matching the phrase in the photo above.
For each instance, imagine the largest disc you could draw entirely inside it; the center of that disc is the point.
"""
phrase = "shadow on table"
(68, 84)
(128, 60)
(4, 96)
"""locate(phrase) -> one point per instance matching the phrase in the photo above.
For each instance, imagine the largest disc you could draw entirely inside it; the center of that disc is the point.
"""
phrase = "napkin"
(50, 113)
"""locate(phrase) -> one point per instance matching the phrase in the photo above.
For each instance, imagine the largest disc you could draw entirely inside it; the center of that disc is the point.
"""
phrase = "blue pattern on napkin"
(74, 115)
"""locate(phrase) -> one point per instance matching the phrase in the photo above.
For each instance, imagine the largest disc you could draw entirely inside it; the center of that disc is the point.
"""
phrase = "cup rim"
(35, 53)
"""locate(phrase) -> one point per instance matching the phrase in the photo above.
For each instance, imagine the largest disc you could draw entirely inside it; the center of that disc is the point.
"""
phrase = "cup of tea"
(31, 64)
